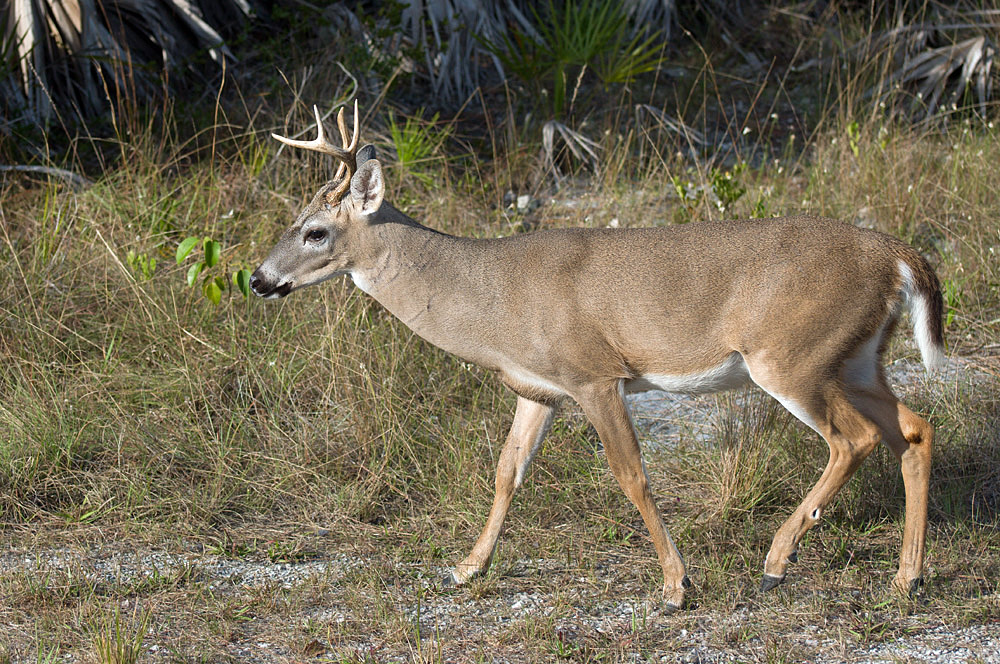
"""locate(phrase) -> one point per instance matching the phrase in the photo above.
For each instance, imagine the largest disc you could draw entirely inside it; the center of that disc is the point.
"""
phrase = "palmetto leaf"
(69, 54)
(624, 63)
(565, 39)
(650, 17)
(458, 37)
(932, 69)
(446, 31)
(938, 77)
(582, 148)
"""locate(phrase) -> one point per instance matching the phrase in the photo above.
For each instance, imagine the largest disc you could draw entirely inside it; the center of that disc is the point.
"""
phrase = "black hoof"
(770, 582)
(685, 583)
(916, 585)
(669, 608)
(448, 581)
(793, 557)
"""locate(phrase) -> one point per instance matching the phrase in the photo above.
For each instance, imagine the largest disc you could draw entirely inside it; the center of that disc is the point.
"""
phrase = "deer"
(801, 306)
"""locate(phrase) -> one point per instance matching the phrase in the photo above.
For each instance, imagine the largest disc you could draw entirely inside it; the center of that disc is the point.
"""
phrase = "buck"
(801, 306)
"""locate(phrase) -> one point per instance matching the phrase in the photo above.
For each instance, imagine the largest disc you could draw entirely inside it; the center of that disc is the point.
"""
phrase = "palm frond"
(67, 55)
(454, 35)
(583, 149)
(445, 32)
(651, 17)
(937, 66)
(648, 117)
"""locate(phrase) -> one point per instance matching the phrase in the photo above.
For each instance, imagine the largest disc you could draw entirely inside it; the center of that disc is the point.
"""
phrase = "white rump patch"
(732, 373)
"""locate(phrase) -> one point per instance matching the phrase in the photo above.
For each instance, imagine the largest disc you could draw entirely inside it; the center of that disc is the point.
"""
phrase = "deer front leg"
(605, 408)
(531, 422)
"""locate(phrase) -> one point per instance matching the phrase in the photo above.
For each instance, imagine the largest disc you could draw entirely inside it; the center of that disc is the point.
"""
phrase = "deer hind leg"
(851, 437)
(911, 439)
(605, 407)
(531, 422)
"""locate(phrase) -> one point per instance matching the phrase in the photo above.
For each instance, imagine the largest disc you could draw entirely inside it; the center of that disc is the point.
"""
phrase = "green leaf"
(241, 279)
(185, 247)
(212, 291)
(194, 271)
(212, 251)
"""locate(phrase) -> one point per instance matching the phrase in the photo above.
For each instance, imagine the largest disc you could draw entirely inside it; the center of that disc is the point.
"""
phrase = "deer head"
(321, 242)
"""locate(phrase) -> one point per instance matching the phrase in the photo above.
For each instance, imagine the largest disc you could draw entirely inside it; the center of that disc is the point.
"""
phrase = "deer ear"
(368, 187)
(365, 153)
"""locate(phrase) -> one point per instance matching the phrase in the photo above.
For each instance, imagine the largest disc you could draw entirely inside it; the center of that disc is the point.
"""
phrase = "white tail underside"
(920, 315)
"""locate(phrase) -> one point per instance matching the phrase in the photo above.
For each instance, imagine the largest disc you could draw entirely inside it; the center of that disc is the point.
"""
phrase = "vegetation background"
(158, 426)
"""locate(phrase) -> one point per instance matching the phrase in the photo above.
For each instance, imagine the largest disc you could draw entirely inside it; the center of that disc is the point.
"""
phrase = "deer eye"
(316, 235)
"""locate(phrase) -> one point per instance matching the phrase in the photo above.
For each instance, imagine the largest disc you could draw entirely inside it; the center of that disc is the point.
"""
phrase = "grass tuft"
(117, 639)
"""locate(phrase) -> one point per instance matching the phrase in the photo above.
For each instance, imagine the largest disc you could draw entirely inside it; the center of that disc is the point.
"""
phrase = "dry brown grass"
(138, 418)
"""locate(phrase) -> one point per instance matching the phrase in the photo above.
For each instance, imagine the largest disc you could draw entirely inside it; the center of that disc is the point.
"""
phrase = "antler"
(347, 155)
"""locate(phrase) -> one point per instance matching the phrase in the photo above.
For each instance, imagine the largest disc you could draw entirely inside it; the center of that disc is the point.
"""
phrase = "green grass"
(135, 415)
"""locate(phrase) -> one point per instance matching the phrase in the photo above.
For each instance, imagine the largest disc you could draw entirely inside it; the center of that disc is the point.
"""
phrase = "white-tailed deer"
(801, 306)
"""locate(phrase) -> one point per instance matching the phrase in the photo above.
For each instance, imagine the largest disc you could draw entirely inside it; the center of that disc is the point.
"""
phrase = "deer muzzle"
(265, 286)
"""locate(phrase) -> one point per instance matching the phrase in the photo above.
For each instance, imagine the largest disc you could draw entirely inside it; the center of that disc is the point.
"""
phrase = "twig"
(78, 181)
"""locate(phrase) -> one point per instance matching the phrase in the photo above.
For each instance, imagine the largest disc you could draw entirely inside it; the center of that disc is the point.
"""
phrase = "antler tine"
(347, 155)
(350, 145)
(347, 165)
(321, 144)
(342, 126)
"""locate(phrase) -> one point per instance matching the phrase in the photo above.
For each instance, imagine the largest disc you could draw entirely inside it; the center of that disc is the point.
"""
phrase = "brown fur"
(801, 305)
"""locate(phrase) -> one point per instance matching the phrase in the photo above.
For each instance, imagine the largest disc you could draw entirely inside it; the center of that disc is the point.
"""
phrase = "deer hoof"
(916, 585)
(908, 587)
(669, 609)
(452, 579)
(770, 582)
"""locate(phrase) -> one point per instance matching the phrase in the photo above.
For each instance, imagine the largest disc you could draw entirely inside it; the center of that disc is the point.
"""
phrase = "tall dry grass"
(129, 402)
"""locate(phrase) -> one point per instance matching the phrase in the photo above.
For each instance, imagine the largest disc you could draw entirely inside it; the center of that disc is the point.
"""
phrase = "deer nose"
(256, 283)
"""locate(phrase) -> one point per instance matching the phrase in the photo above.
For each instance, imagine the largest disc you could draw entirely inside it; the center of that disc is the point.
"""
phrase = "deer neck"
(409, 269)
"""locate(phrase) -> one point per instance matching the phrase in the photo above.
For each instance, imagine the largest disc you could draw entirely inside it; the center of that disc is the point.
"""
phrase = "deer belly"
(732, 373)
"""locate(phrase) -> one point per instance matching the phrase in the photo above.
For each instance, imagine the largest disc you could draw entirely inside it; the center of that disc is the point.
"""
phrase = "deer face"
(324, 240)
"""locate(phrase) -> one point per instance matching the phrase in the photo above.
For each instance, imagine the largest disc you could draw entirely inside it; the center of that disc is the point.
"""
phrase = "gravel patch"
(129, 568)
(938, 645)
